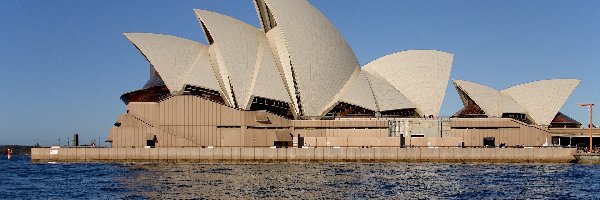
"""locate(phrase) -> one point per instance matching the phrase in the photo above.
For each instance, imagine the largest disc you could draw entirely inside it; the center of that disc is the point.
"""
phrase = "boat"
(588, 158)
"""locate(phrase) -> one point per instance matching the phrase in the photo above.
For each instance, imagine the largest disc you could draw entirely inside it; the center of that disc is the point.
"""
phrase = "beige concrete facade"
(508, 131)
(190, 121)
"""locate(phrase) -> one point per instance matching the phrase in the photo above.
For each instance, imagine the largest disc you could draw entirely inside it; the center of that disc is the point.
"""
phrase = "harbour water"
(21, 179)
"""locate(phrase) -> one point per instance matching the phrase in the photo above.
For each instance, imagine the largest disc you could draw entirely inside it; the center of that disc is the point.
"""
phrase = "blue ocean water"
(21, 179)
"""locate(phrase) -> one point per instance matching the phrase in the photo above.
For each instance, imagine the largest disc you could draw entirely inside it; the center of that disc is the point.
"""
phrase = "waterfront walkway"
(321, 154)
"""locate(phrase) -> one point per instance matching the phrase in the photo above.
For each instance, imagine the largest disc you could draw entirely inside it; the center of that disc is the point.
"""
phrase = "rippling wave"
(21, 179)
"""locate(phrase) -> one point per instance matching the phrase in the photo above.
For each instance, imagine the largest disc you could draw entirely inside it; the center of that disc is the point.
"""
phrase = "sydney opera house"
(295, 81)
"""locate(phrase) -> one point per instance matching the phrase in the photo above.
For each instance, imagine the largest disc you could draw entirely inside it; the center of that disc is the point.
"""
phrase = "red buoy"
(9, 152)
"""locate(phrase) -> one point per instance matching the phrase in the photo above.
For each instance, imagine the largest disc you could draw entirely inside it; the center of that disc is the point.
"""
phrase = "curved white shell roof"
(490, 100)
(283, 61)
(178, 61)
(321, 60)
(421, 75)
(236, 53)
(359, 93)
(386, 96)
(244, 59)
(201, 73)
(268, 82)
(302, 59)
(542, 99)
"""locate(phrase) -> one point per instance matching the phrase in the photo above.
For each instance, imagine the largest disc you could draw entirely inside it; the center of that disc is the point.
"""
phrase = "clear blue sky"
(64, 64)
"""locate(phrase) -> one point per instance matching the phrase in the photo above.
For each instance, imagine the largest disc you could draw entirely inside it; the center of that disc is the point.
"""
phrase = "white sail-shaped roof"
(177, 60)
(235, 53)
(421, 75)
(244, 59)
(321, 62)
(268, 82)
(283, 61)
(154, 80)
(542, 99)
(490, 100)
(201, 73)
(359, 93)
(386, 96)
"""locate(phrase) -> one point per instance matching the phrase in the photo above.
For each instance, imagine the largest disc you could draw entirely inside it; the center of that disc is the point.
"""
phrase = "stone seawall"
(243, 154)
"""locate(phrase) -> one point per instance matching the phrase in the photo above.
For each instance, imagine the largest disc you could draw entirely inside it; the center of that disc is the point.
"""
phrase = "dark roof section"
(562, 118)
(563, 121)
(151, 94)
(470, 111)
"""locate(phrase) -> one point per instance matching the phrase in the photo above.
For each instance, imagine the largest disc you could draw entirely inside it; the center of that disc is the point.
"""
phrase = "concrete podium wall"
(234, 154)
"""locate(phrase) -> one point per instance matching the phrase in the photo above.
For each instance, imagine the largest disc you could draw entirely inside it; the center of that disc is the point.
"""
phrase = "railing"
(141, 120)
(433, 147)
(528, 125)
(360, 147)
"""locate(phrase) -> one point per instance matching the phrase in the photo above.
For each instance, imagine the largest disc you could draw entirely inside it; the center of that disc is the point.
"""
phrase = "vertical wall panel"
(212, 132)
(204, 113)
(216, 137)
(218, 114)
(225, 116)
(210, 135)
(198, 109)
(168, 112)
(510, 137)
(141, 141)
(206, 135)
(170, 108)
(199, 134)
(521, 135)
(466, 137)
(177, 111)
(211, 111)
(117, 138)
(219, 135)
(194, 135)
(182, 110)
(534, 138)
(207, 112)
(160, 114)
(168, 139)
(186, 129)
(194, 112)
(186, 111)
(138, 137)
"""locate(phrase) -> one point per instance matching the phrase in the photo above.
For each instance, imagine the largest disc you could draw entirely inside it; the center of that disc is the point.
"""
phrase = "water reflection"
(358, 180)
(22, 179)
